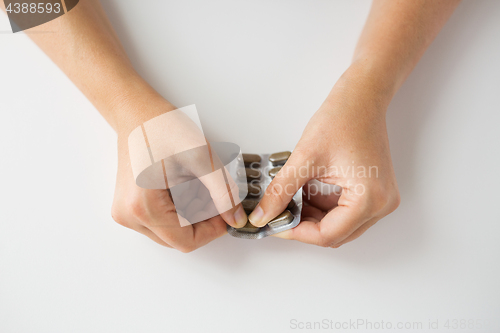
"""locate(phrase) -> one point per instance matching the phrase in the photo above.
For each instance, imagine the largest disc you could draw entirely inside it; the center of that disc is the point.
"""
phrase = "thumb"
(292, 176)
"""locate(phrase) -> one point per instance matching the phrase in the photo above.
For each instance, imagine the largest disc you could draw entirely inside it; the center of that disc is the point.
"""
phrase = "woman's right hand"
(152, 211)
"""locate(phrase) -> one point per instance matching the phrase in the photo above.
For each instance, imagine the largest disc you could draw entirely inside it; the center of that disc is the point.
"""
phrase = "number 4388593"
(33, 8)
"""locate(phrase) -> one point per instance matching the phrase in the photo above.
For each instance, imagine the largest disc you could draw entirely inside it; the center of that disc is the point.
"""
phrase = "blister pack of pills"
(259, 171)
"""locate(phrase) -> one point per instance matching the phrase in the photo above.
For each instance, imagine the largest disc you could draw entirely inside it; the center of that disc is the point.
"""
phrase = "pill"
(253, 190)
(281, 220)
(249, 227)
(249, 205)
(251, 160)
(248, 173)
(274, 171)
(279, 158)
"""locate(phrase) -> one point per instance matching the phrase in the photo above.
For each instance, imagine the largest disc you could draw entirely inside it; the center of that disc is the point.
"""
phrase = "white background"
(66, 266)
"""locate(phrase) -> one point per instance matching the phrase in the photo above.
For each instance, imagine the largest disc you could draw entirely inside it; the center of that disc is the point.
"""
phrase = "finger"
(292, 176)
(321, 195)
(291, 234)
(145, 231)
(311, 213)
(195, 208)
(336, 226)
(236, 216)
(183, 200)
(208, 210)
(162, 219)
(207, 177)
(361, 230)
(223, 194)
(134, 224)
(223, 190)
(207, 231)
(189, 238)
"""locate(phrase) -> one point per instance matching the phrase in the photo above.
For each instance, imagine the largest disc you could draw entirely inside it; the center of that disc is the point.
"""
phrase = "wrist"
(365, 81)
(134, 102)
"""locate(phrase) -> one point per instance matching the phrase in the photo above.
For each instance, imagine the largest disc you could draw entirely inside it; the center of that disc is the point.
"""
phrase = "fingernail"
(256, 216)
(240, 218)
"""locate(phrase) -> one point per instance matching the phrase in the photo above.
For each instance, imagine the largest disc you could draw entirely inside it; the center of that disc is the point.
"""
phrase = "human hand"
(348, 133)
(152, 211)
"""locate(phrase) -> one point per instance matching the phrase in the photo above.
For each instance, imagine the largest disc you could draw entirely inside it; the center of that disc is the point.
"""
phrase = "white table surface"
(66, 266)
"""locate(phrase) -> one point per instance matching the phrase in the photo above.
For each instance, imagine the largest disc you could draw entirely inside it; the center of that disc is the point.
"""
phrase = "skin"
(348, 129)
(88, 51)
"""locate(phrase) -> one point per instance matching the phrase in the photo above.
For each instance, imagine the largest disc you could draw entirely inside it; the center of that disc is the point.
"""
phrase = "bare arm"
(88, 50)
(396, 35)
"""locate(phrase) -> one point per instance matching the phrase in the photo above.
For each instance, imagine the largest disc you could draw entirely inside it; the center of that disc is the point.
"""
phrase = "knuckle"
(136, 208)
(379, 199)
(396, 201)
(117, 215)
(186, 248)
(324, 241)
(148, 223)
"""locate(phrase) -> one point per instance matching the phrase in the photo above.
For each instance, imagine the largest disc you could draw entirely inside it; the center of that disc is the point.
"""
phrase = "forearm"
(395, 37)
(86, 48)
